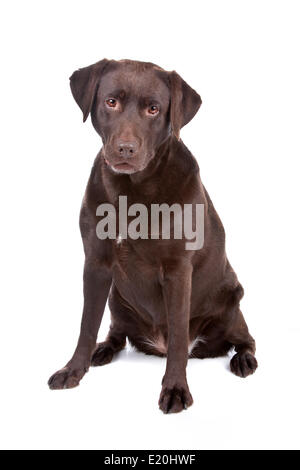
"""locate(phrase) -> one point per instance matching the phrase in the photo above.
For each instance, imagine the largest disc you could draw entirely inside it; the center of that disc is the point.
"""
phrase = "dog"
(167, 300)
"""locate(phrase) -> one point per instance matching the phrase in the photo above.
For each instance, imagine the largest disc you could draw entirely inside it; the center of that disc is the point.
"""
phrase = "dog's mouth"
(121, 167)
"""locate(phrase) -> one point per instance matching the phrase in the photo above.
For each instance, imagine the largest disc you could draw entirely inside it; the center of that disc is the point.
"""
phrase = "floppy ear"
(185, 103)
(84, 83)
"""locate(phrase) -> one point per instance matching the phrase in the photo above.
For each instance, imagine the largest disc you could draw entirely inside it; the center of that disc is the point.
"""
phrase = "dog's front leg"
(97, 282)
(175, 394)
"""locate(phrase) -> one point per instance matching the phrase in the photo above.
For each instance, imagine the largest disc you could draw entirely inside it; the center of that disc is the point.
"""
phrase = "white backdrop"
(243, 59)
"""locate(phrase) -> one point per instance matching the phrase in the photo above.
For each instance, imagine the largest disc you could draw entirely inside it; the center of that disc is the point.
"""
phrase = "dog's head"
(134, 107)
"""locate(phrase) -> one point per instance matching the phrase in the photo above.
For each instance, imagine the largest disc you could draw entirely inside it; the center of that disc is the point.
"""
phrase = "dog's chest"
(136, 257)
(137, 276)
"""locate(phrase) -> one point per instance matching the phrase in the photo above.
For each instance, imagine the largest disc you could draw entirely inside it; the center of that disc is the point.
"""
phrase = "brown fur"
(161, 296)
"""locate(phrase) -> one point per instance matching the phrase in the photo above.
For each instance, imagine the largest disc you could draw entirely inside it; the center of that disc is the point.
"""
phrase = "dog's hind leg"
(116, 338)
(243, 362)
(105, 351)
(210, 348)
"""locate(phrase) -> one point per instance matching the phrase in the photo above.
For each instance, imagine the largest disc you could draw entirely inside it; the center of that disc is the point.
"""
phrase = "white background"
(243, 59)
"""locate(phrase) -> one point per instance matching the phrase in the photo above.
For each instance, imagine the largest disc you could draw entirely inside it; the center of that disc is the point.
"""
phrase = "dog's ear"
(185, 103)
(84, 83)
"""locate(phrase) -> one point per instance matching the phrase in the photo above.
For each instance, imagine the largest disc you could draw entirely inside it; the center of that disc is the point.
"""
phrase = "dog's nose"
(127, 149)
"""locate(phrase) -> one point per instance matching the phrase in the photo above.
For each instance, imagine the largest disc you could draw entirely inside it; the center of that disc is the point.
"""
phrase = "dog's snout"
(127, 149)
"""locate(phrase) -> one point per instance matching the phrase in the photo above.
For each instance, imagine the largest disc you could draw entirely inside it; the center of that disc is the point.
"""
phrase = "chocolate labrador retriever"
(167, 300)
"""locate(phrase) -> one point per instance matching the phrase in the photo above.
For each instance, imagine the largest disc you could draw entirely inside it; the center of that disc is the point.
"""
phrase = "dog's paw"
(175, 399)
(243, 364)
(66, 378)
(103, 354)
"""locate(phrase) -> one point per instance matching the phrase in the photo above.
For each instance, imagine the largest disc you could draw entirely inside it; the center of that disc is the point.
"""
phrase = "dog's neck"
(155, 166)
(171, 167)
(140, 182)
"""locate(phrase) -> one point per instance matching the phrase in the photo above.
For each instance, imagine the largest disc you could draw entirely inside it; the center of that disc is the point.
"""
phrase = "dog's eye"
(111, 102)
(153, 109)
